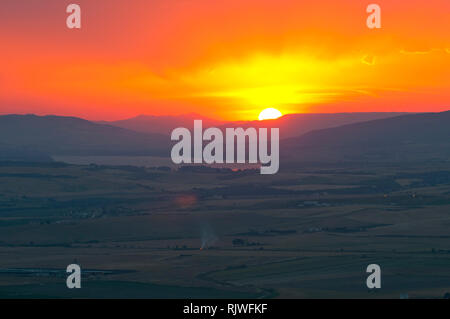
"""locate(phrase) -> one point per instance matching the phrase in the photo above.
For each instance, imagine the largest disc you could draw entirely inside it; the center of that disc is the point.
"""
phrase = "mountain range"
(315, 137)
(290, 125)
(163, 124)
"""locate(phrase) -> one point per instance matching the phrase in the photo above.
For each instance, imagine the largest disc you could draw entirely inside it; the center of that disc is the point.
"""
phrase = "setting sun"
(269, 114)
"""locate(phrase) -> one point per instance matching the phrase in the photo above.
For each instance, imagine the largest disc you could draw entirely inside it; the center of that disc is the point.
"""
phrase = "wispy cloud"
(368, 59)
(419, 52)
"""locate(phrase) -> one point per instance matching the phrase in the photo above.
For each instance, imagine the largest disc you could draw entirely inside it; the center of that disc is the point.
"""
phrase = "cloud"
(368, 59)
(418, 52)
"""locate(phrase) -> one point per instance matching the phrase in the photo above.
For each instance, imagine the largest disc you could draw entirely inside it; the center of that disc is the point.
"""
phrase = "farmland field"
(217, 233)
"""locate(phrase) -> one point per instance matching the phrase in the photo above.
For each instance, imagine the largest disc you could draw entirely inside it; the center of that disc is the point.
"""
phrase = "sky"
(223, 59)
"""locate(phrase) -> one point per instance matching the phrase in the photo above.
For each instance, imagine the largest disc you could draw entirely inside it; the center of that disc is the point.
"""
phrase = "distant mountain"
(292, 125)
(56, 135)
(163, 124)
(406, 137)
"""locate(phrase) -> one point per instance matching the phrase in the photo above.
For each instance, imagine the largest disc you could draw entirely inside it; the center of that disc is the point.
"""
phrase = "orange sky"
(223, 59)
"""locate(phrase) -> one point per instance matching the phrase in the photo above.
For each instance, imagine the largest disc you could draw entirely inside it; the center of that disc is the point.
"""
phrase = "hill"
(292, 125)
(163, 124)
(58, 135)
(407, 137)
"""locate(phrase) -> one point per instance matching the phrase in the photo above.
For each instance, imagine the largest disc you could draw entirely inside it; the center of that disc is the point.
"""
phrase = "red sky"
(223, 59)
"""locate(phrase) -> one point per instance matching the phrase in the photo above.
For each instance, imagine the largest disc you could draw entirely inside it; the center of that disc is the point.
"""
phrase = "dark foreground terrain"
(215, 233)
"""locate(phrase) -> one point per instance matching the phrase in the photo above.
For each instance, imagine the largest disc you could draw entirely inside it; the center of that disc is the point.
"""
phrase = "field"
(306, 232)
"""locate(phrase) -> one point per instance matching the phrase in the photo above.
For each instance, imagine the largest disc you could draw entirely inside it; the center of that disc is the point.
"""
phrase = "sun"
(269, 114)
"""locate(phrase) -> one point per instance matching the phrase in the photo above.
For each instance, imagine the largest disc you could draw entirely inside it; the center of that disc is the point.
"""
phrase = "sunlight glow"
(269, 114)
